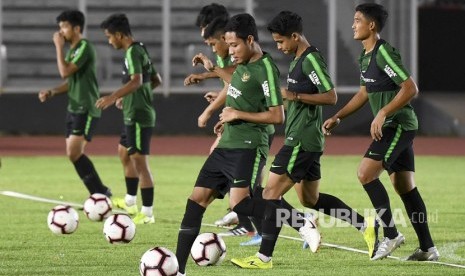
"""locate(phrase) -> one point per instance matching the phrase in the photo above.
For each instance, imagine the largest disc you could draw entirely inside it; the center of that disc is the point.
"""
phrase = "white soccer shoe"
(309, 232)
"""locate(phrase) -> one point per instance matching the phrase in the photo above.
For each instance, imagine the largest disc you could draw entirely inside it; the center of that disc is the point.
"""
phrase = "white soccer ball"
(63, 219)
(158, 261)
(97, 207)
(119, 228)
(208, 249)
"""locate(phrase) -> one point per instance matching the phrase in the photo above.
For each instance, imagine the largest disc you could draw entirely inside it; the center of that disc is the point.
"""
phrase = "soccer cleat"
(309, 232)
(237, 231)
(255, 240)
(252, 262)
(419, 255)
(370, 235)
(120, 203)
(143, 219)
(305, 244)
(229, 219)
(108, 193)
(387, 246)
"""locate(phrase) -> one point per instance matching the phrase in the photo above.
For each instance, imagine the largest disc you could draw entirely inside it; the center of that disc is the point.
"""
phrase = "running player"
(79, 69)
(389, 88)
(135, 97)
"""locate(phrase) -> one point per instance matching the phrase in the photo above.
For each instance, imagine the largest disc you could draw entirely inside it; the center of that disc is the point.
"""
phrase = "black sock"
(289, 207)
(333, 206)
(380, 200)
(89, 175)
(255, 207)
(270, 233)
(416, 211)
(190, 227)
(245, 222)
(147, 196)
(132, 183)
(257, 222)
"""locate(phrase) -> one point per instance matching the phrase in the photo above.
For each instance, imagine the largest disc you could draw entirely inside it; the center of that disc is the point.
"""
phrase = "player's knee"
(365, 177)
(309, 201)
(73, 155)
(270, 193)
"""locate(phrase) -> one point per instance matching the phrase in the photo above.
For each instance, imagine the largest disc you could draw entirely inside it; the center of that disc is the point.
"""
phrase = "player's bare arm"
(224, 73)
(196, 78)
(66, 69)
(129, 87)
(406, 93)
(274, 115)
(357, 101)
(328, 98)
(46, 94)
(155, 80)
(212, 107)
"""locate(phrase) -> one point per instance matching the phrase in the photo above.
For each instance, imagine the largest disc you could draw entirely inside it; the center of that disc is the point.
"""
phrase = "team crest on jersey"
(245, 77)
(234, 92)
(266, 88)
(389, 71)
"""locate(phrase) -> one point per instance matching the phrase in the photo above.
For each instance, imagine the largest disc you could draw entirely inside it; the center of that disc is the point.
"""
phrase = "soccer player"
(79, 69)
(253, 100)
(389, 88)
(212, 19)
(135, 96)
(298, 162)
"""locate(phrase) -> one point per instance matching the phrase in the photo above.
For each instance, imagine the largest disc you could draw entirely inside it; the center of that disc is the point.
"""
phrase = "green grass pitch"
(27, 247)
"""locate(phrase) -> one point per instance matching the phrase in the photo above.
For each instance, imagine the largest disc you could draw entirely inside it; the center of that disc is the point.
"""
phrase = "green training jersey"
(137, 106)
(224, 62)
(228, 61)
(308, 74)
(82, 85)
(382, 72)
(254, 87)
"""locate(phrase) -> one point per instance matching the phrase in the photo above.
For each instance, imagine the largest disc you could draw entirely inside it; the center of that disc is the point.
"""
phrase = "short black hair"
(374, 12)
(216, 27)
(117, 22)
(243, 25)
(286, 23)
(74, 17)
(210, 12)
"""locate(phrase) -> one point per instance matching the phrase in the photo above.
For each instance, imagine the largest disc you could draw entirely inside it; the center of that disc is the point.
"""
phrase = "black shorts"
(80, 124)
(297, 164)
(136, 139)
(395, 149)
(226, 168)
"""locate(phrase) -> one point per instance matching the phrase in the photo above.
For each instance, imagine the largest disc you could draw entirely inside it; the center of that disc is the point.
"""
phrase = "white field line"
(77, 205)
(40, 199)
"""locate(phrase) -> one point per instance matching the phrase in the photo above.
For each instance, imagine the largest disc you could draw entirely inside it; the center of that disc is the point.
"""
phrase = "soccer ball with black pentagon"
(158, 261)
(119, 228)
(208, 249)
(63, 219)
(97, 207)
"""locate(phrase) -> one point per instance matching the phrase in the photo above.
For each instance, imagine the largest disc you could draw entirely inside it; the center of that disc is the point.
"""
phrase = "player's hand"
(376, 129)
(193, 79)
(284, 93)
(44, 95)
(105, 102)
(211, 96)
(228, 114)
(58, 39)
(119, 103)
(218, 128)
(329, 124)
(203, 59)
